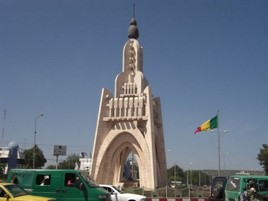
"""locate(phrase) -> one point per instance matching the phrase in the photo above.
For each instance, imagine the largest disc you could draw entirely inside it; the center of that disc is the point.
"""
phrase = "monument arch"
(130, 122)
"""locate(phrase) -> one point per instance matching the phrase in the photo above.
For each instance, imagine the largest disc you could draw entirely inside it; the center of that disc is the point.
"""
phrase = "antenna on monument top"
(133, 10)
(133, 31)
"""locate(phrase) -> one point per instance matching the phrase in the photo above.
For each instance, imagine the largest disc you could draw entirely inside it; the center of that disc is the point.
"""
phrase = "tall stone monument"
(130, 122)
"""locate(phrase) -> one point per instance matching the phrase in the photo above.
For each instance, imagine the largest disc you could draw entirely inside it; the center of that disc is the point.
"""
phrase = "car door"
(112, 192)
(72, 190)
(46, 184)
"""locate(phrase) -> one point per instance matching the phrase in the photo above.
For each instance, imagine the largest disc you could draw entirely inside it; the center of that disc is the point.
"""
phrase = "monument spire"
(133, 31)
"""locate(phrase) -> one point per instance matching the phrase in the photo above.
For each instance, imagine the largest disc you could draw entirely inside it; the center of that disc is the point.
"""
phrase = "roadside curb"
(177, 199)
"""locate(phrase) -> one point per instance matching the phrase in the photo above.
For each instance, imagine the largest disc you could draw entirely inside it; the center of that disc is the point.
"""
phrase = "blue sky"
(200, 56)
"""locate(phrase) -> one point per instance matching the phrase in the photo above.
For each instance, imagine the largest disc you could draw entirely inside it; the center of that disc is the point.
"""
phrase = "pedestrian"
(14, 179)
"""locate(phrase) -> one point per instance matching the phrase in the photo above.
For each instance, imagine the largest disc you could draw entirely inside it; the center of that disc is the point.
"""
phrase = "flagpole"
(4, 124)
(209, 125)
(219, 145)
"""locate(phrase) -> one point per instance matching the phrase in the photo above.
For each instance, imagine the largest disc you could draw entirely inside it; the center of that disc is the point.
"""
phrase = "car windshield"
(89, 179)
(15, 190)
(118, 190)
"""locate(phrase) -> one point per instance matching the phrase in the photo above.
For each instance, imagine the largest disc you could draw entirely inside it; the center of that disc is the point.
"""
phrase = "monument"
(130, 123)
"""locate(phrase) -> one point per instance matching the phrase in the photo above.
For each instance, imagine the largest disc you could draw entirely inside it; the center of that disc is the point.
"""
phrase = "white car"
(118, 195)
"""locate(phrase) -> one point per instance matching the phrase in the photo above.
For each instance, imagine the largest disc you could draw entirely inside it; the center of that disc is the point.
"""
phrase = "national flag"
(208, 125)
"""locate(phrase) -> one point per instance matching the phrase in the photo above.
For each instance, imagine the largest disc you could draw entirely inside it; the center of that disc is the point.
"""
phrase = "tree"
(175, 173)
(40, 159)
(51, 167)
(263, 158)
(69, 162)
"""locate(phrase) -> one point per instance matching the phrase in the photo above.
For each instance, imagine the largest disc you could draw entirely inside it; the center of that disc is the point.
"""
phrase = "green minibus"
(246, 187)
(63, 185)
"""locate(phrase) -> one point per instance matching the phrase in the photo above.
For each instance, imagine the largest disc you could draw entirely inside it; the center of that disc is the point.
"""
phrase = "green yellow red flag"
(208, 125)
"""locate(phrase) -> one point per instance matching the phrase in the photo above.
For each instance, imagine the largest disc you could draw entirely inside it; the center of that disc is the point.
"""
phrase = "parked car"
(119, 195)
(13, 192)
